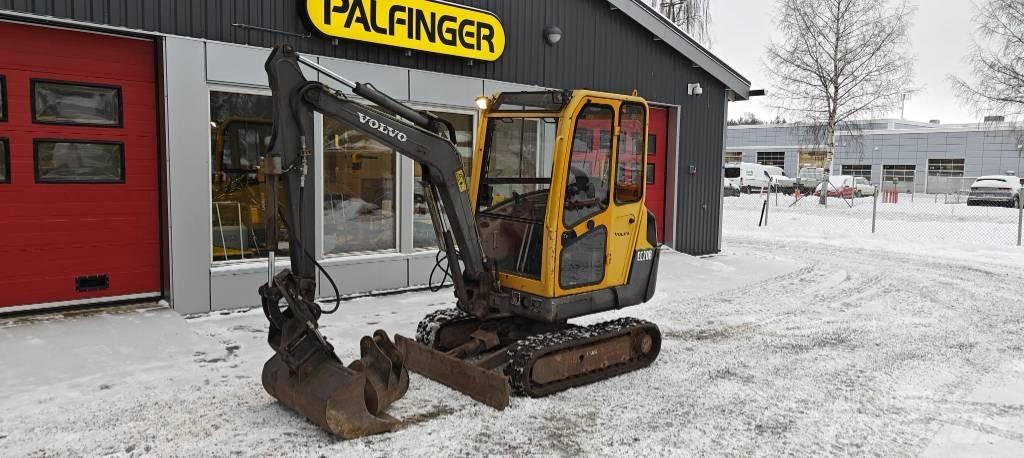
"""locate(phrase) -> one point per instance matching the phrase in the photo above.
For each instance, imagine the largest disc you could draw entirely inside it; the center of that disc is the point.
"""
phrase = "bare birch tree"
(839, 61)
(996, 60)
(693, 16)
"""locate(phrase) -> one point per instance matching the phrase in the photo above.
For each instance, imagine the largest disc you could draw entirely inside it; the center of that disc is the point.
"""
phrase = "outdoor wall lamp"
(694, 89)
(482, 102)
(552, 35)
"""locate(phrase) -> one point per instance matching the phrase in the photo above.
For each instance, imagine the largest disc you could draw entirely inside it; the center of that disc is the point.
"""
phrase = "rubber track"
(526, 352)
(426, 330)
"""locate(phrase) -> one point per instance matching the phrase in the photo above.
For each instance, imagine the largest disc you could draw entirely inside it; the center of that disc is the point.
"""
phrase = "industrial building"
(911, 156)
(130, 134)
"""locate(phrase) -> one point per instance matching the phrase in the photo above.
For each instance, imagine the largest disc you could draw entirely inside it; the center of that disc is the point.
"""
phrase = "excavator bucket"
(483, 384)
(347, 401)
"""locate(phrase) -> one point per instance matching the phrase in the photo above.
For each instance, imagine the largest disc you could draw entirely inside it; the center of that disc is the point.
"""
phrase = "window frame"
(946, 167)
(771, 158)
(900, 172)
(857, 170)
(6, 143)
(35, 160)
(120, 103)
(606, 202)
(4, 105)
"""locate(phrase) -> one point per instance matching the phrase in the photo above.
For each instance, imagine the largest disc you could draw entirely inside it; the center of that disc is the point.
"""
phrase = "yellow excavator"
(553, 227)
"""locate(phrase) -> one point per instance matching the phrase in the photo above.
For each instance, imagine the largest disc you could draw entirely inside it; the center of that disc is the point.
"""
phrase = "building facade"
(909, 156)
(130, 134)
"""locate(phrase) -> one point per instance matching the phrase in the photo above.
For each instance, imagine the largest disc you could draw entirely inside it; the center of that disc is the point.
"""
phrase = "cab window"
(587, 184)
(629, 168)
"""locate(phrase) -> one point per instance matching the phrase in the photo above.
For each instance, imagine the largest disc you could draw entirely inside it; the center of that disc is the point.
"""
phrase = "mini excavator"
(549, 226)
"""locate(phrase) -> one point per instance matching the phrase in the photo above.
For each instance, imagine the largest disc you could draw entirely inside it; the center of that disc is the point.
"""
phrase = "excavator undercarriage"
(551, 227)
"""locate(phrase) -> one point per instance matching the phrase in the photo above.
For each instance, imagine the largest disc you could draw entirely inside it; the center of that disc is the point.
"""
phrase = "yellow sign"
(424, 25)
(460, 178)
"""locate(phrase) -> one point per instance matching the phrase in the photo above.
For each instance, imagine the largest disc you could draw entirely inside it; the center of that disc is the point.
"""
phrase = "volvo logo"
(382, 128)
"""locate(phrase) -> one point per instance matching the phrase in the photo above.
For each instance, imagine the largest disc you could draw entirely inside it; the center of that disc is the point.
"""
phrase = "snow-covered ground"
(786, 343)
(921, 219)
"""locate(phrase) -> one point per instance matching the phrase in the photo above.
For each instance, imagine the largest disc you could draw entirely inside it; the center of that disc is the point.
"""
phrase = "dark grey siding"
(601, 49)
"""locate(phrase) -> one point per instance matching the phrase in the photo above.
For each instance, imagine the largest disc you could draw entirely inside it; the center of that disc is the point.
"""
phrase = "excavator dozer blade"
(347, 401)
(487, 386)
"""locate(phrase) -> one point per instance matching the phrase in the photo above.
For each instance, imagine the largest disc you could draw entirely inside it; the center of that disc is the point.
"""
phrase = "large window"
(946, 167)
(359, 191)
(898, 177)
(423, 227)
(814, 159)
(733, 157)
(629, 168)
(772, 158)
(58, 102)
(898, 173)
(240, 127)
(858, 170)
(5, 162)
(587, 186)
(76, 161)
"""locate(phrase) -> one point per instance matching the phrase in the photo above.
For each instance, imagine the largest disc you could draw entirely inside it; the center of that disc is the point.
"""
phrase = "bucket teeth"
(347, 401)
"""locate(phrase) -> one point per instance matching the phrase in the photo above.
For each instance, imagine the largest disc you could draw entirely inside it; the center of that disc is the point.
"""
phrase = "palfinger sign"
(423, 25)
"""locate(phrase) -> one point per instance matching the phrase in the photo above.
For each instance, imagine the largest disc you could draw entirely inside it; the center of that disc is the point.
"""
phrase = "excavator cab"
(559, 198)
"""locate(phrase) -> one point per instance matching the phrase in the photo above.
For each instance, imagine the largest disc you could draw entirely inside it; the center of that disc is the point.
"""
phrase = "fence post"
(1020, 218)
(874, 210)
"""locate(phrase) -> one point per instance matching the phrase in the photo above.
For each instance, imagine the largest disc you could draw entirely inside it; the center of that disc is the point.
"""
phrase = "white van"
(750, 177)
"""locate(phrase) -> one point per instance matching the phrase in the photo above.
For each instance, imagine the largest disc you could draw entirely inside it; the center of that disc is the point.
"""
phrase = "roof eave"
(685, 45)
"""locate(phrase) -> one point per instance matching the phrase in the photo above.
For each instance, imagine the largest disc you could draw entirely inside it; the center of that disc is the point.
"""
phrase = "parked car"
(780, 181)
(729, 189)
(863, 187)
(839, 186)
(1002, 190)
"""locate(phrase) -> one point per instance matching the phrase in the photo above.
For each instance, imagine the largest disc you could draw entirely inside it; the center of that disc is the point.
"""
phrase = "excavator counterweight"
(547, 226)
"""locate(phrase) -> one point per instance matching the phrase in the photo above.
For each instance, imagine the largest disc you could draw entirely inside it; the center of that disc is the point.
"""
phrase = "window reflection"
(80, 104)
(79, 162)
(588, 183)
(423, 227)
(359, 191)
(240, 126)
(629, 171)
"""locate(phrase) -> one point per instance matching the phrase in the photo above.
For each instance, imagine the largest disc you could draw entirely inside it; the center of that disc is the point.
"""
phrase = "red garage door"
(79, 194)
(657, 150)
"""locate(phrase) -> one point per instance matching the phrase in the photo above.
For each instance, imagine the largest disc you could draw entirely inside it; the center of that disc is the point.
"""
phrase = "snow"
(798, 342)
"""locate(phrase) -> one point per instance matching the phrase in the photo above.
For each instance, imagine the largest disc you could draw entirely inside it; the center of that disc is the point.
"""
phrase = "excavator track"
(548, 363)
(429, 327)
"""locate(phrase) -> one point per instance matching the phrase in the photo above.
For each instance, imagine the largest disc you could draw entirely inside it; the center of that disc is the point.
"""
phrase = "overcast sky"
(941, 37)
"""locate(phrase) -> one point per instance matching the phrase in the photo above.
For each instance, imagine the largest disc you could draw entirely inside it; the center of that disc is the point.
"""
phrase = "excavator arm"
(305, 373)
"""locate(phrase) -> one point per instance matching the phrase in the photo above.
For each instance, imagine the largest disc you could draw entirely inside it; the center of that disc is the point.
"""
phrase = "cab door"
(598, 233)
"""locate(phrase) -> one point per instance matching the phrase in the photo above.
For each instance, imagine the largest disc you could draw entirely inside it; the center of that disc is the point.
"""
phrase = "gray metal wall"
(601, 49)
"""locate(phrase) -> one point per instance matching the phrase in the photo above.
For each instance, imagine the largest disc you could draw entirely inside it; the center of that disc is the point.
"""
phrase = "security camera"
(694, 89)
